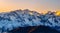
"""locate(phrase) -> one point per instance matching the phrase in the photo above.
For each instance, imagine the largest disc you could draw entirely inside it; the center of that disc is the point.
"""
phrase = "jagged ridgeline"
(25, 18)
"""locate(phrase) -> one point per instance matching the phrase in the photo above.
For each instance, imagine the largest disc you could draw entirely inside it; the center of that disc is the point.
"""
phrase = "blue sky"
(38, 5)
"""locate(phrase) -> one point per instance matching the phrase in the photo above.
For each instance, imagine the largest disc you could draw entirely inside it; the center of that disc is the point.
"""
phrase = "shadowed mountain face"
(34, 29)
(24, 18)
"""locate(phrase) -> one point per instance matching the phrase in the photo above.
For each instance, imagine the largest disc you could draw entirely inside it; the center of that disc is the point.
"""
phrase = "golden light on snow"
(57, 13)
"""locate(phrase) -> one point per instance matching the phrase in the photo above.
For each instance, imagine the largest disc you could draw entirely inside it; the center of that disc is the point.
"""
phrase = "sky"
(35, 5)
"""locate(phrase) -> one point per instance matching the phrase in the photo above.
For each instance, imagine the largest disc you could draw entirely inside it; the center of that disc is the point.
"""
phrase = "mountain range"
(24, 18)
